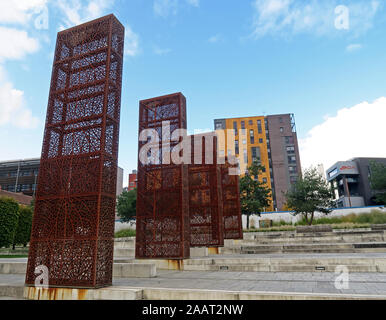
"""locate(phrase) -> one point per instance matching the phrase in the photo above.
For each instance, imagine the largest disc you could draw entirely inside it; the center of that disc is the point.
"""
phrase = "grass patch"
(273, 229)
(126, 233)
(13, 256)
(374, 217)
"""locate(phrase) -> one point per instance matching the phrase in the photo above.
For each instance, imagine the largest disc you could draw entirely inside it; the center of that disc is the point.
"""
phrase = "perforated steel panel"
(162, 201)
(73, 227)
(230, 186)
(205, 196)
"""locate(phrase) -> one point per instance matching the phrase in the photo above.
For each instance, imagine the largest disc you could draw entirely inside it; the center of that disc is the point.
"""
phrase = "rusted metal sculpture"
(205, 195)
(233, 228)
(73, 227)
(162, 199)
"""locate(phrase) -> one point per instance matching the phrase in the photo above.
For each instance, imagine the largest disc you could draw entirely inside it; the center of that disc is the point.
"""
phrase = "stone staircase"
(353, 241)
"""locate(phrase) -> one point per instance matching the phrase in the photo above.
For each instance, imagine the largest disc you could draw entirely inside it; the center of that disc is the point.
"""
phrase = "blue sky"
(322, 60)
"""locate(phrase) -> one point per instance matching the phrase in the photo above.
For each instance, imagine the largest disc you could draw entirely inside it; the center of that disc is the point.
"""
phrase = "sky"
(323, 60)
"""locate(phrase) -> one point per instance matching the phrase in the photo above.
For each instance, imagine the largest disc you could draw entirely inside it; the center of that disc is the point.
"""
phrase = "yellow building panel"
(244, 139)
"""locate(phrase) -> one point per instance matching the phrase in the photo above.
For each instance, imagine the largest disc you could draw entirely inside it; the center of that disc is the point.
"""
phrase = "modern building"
(20, 176)
(351, 182)
(120, 173)
(272, 140)
(133, 180)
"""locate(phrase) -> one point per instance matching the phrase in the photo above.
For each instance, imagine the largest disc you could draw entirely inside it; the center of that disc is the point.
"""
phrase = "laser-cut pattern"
(73, 227)
(163, 201)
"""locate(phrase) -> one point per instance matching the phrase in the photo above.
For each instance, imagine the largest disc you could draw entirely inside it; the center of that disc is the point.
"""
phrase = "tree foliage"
(8, 221)
(23, 231)
(310, 194)
(378, 181)
(127, 205)
(254, 195)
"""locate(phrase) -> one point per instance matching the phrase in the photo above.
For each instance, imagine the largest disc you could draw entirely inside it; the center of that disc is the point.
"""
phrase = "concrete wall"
(288, 217)
(124, 226)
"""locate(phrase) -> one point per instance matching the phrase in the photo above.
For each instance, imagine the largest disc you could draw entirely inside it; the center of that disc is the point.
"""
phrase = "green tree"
(254, 195)
(8, 221)
(378, 181)
(127, 205)
(310, 194)
(23, 231)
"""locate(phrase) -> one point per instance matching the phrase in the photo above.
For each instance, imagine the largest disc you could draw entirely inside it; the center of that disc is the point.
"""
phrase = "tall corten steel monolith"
(230, 187)
(205, 194)
(162, 200)
(73, 226)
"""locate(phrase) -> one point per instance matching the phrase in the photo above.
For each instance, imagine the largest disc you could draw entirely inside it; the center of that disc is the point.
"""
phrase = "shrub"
(126, 233)
(8, 221)
(23, 231)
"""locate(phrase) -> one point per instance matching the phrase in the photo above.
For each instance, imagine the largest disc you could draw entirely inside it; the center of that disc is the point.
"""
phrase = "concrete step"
(285, 264)
(312, 248)
(144, 293)
(120, 270)
(124, 252)
(124, 243)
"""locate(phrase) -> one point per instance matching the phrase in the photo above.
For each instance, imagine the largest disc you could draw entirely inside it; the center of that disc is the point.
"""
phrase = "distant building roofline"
(261, 116)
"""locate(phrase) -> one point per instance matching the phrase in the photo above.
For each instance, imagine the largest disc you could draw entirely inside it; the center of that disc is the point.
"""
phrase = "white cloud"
(19, 11)
(131, 42)
(289, 17)
(358, 131)
(15, 44)
(12, 106)
(159, 51)
(353, 47)
(77, 12)
(215, 39)
(164, 8)
(194, 3)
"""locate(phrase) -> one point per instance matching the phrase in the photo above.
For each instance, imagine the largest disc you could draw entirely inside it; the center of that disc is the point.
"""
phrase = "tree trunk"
(312, 219)
(247, 221)
(306, 216)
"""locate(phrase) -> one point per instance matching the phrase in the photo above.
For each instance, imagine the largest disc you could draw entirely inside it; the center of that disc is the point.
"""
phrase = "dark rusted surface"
(162, 201)
(73, 225)
(205, 196)
(230, 186)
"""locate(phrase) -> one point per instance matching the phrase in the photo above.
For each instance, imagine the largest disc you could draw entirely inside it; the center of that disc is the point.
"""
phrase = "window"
(259, 127)
(265, 180)
(281, 120)
(235, 128)
(243, 128)
(293, 169)
(293, 179)
(289, 140)
(237, 147)
(25, 173)
(25, 187)
(250, 122)
(292, 159)
(264, 170)
(252, 136)
(261, 140)
(13, 174)
(281, 129)
(219, 126)
(255, 154)
(246, 156)
(290, 150)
